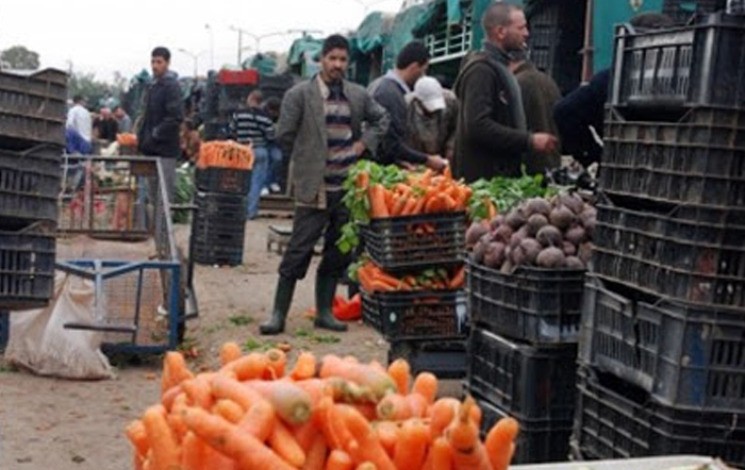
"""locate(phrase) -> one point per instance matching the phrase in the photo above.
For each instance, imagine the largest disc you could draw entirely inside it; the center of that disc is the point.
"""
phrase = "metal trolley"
(115, 230)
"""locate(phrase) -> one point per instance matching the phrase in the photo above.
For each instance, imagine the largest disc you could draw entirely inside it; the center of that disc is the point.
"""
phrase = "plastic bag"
(40, 343)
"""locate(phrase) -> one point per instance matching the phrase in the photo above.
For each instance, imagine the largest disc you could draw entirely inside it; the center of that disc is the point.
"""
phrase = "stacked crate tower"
(428, 328)
(32, 137)
(522, 353)
(662, 352)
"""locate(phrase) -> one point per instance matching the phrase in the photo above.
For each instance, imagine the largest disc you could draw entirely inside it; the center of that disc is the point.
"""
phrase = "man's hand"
(358, 148)
(436, 163)
(544, 143)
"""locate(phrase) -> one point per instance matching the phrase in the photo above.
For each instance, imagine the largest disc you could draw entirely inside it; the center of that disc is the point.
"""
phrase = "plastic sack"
(40, 343)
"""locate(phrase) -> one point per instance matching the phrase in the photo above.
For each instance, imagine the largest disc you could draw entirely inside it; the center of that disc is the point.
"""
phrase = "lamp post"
(194, 57)
(257, 39)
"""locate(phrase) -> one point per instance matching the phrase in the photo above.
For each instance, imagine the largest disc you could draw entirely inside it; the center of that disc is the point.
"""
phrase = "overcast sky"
(103, 37)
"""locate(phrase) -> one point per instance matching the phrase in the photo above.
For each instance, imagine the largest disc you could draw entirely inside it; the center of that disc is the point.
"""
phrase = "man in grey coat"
(320, 127)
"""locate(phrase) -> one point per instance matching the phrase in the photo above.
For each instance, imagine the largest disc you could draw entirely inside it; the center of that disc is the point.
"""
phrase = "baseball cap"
(429, 92)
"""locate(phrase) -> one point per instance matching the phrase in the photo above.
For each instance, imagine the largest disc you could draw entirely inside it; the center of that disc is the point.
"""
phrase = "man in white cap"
(432, 118)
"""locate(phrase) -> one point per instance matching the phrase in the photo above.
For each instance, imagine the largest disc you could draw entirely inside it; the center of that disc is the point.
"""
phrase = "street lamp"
(212, 45)
(257, 39)
(194, 57)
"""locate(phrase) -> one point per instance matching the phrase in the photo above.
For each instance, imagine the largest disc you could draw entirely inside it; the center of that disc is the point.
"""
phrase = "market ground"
(57, 424)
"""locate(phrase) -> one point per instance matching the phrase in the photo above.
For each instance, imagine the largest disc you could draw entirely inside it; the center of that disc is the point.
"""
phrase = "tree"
(96, 93)
(20, 58)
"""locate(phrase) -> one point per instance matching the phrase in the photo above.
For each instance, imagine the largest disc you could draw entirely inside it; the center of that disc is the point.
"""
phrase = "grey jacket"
(301, 132)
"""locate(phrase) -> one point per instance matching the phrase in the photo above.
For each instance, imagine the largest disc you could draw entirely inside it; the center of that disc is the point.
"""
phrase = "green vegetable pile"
(505, 193)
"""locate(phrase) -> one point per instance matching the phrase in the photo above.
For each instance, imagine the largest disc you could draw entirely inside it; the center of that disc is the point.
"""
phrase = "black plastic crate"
(539, 440)
(698, 65)
(221, 206)
(30, 185)
(683, 355)
(614, 420)
(444, 357)
(541, 306)
(208, 231)
(223, 180)
(416, 242)
(697, 159)
(26, 268)
(4, 330)
(217, 255)
(527, 382)
(416, 315)
(694, 261)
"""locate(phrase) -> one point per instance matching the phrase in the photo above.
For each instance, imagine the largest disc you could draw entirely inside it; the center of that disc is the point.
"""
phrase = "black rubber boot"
(325, 291)
(282, 301)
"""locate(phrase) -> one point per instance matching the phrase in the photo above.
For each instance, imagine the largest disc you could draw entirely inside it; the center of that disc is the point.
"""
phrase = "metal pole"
(588, 51)
(240, 48)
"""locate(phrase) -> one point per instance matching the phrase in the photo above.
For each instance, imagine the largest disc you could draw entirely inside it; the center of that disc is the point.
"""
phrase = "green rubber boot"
(325, 291)
(282, 301)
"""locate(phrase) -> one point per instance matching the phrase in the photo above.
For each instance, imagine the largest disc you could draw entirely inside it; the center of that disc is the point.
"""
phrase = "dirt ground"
(56, 424)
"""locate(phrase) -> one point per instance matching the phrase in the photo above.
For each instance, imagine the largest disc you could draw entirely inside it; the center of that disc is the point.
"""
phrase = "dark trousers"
(307, 228)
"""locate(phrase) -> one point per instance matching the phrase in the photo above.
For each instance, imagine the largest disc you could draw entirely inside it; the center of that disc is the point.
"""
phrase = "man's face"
(118, 113)
(514, 37)
(334, 64)
(417, 72)
(159, 65)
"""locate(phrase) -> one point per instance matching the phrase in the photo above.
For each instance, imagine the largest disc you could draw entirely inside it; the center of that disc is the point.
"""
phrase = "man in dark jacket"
(158, 134)
(492, 137)
(540, 93)
(320, 127)
(390, 92)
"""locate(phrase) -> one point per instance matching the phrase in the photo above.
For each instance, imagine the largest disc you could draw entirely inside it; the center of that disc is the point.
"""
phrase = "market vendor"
(320, 127)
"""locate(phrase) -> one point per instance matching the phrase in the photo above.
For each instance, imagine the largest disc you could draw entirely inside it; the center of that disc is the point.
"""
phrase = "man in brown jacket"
(539, 93)
(320, 127)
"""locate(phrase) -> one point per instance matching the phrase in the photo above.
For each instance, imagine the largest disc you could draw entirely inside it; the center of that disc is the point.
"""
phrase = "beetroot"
(475, 232)
(562, 217)
(551, 257)
(549, 236)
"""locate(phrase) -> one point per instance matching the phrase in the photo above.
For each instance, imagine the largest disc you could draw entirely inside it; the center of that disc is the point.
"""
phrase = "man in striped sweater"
(320, 127)
(255, 126)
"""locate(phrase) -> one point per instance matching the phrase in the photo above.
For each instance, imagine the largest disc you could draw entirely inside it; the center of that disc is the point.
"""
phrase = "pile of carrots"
(373, 279)
(126, 140)
(225, 154)
(336, 414)
(422, 193)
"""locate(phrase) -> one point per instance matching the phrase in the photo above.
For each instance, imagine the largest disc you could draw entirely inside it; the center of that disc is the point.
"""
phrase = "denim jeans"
(258, 180)
(275, 165)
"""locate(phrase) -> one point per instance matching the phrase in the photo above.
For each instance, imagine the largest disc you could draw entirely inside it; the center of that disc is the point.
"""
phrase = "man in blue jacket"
(158, 134)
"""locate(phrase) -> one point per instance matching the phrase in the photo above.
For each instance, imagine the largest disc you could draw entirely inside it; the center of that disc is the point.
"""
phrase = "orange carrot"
(229, 440)
(426, 384)
(378, 383)
(411, 203)
(411, 448)
(388, 435)
(259, 420)
(394, 407)
(169, 396)
(165, 451)
(366, 466)
(199, 392)
(368, 410)
(441, 414)
(175, 370)
(463, 435)
(229, 410)
(285, 445)
(458, 280)
(175, 417)
(499, 441)
(315, 388)
(316, 455)
(368, 446)
(417, 404)
(194, 453)
(442, 454)
(137, 435)
(363, 180)
(290, 402)
(339, 460)
(277, 363)
(305, 434)
(305, 366)
(338, 425)
(399, 205)
(400, 372)
(378, 207)
(251, 366)
(230, 352)
(231, 389)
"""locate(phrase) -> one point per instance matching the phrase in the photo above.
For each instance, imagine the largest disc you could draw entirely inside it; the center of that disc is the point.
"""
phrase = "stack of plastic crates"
(662, 353)
(426, 327)
(32, 135)
(523, 353)
(219, 224)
